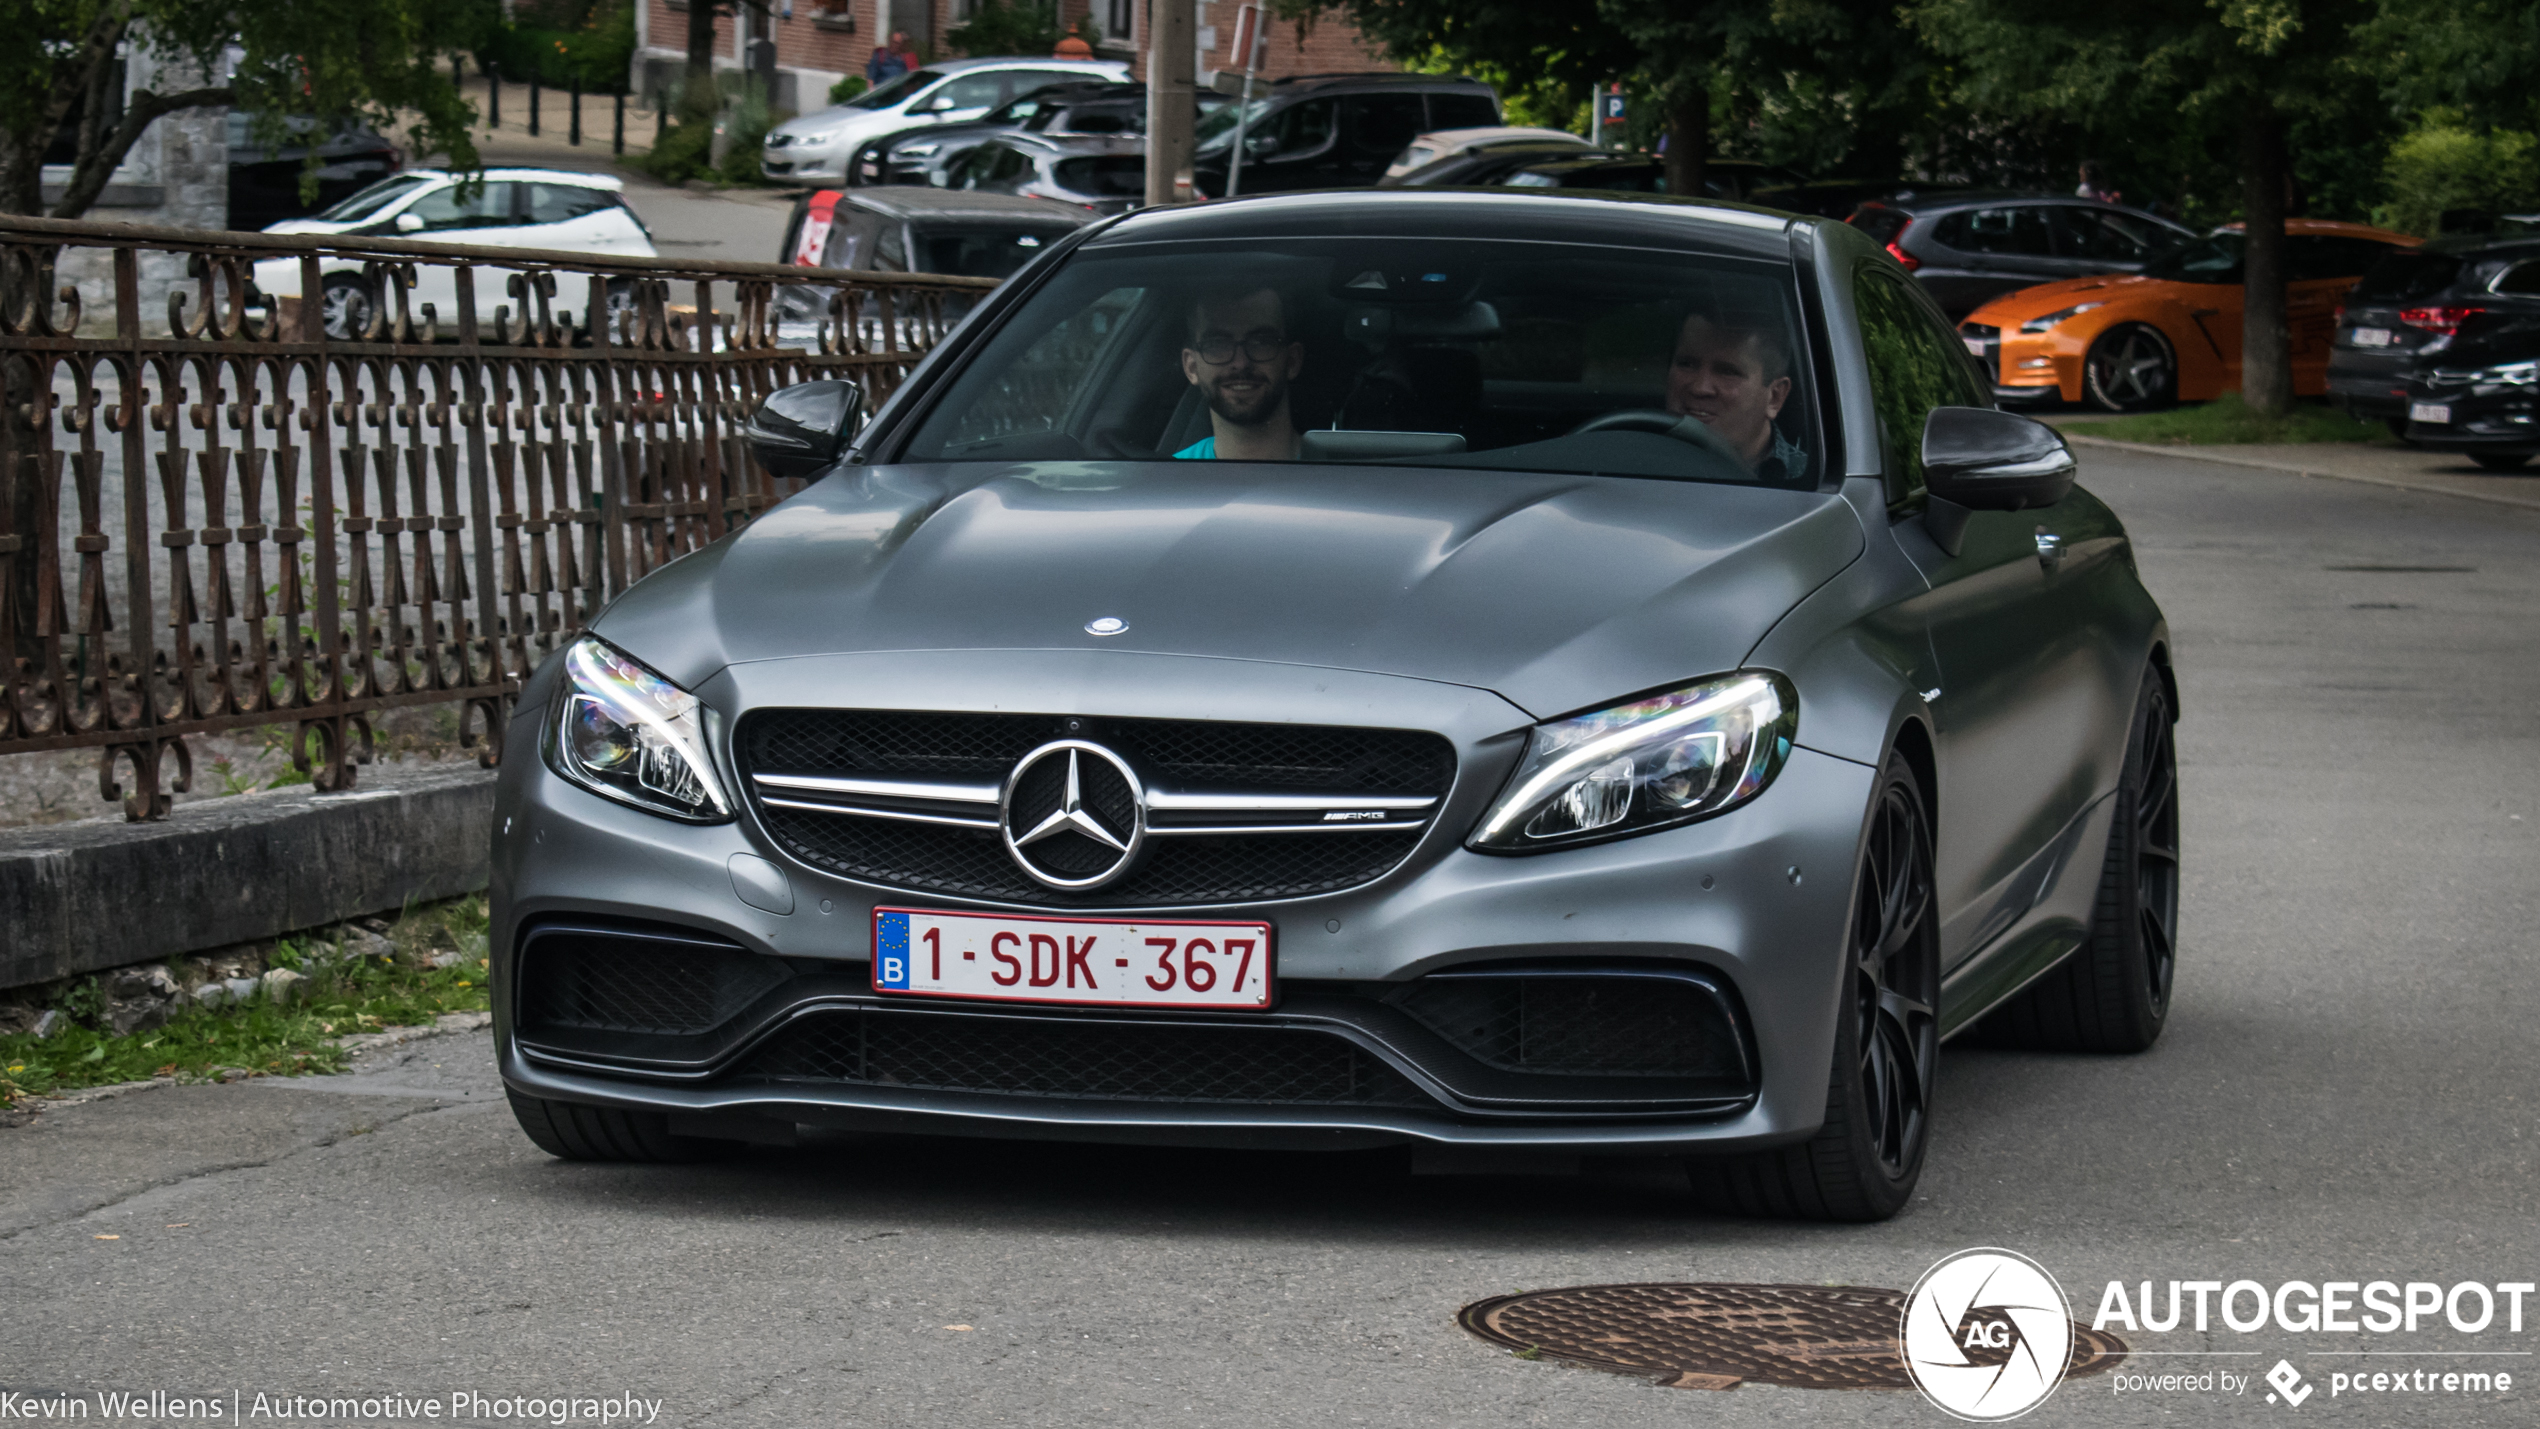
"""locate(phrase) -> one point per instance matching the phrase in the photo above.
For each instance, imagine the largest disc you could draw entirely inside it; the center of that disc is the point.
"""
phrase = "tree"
(325, 60)
(2235, 75)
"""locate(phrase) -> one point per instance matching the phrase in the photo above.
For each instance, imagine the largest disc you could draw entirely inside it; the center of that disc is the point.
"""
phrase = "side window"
(491, 206)
(2011, 232)
(891, 254)
(1915, 365)
(563, 203)
(851, 241)
(1017, 82)
(1462, 111)
(2106, 233)
(1380, 123)
(2522, 278)
(1302, 129)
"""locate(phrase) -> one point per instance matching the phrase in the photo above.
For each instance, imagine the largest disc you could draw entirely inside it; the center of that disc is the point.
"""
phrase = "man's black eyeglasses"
(1261, 346)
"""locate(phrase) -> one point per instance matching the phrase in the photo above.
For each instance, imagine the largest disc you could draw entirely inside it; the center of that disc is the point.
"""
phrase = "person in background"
(2094, 184)
(890, 61)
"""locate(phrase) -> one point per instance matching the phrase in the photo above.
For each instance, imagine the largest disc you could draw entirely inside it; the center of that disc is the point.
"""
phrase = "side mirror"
(799, 431)
(410, 223)
(1978, 459)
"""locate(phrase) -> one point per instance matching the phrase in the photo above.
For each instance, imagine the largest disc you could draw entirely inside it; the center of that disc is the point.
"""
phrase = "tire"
(2113, 994)
(1864, 1161)
(2398, 427)
(348, 307)
(2131, 368)
(2500, 461)
(575, 1132)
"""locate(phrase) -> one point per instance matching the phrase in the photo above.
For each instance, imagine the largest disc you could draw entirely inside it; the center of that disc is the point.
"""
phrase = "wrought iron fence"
(231, 518)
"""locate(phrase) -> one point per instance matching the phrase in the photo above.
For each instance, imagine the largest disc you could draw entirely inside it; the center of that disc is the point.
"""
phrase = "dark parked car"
(1483, 167)
(2443, 342)
(1496, 670)
(923, 155)
(1740, 180)
(264, 183)
(1331, 131)
(914, 230)
(1105, 175)
(1969, 247)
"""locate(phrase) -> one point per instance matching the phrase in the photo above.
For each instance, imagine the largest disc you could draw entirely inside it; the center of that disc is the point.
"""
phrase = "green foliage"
(746, 120)
(380, 62)
(259, 1038)
(1015, 27)
(680, 155)
(2443, 167)
(852, 87)
(593, 40)
(2227, 420)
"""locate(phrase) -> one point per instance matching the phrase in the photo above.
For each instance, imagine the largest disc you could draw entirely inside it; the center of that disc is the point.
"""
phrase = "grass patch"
(342, 996)
(2227, 421)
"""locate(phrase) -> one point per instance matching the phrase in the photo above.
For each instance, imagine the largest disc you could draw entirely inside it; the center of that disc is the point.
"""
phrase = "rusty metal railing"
(228, 518)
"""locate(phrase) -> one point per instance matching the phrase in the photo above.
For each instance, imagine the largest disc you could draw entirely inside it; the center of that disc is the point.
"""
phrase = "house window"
(1119, 19)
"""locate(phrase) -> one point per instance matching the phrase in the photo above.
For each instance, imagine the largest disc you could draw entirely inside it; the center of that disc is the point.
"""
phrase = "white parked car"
(513, 208)
(1447, 143)
(816, 148)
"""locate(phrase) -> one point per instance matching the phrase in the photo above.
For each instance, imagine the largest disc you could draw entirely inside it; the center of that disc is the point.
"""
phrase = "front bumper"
(1754, 901)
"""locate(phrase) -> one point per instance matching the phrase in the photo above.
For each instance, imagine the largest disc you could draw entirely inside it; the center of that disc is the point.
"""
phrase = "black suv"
(1971, 247)
(2443, 343)
(1334, 131)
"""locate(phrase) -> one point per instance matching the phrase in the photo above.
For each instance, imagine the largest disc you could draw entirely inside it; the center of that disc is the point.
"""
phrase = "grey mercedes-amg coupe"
(1530, 671)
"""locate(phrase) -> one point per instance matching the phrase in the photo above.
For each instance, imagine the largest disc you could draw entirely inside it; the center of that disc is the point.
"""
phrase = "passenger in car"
(1243, 361)
(1735, 376)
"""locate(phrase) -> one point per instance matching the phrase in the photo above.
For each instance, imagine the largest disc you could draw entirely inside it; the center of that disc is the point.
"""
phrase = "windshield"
(981, 252)
(897, 90)
(371, 200)
(2199, 260)
(2403, 276)
(1454, 353)
(1218, 129)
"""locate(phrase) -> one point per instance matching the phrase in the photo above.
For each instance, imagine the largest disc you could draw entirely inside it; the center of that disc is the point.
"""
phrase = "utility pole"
(1249, 43)
(1172, 100)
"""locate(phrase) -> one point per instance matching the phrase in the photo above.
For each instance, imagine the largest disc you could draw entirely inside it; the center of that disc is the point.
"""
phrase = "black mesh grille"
(629, 982)
(1115, 1061)
(1590, 1025)
(1181, 754)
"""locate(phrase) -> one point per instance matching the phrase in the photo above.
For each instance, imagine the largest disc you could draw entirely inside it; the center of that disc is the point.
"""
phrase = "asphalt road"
(2346, 1092)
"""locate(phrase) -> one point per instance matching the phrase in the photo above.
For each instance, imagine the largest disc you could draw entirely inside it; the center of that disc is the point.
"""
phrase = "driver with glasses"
(1242, 360)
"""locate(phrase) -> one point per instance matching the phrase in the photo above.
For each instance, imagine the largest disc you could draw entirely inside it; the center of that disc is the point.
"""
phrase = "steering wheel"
(1666, 424)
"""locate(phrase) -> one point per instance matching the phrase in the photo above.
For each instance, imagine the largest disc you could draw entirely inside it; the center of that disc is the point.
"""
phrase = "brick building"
(818, 42)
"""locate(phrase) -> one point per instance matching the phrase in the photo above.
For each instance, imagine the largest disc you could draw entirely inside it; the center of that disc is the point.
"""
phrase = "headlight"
(1663, 760)
(810, 141)
(2042, 324)
(626, 733)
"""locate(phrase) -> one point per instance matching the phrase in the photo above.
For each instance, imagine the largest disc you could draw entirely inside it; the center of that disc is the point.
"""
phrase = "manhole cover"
(1715, 1336)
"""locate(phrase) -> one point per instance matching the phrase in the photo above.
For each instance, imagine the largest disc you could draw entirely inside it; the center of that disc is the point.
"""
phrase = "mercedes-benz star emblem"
(1073, 815)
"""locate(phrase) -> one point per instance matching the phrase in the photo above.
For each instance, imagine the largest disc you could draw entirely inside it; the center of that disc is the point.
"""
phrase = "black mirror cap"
(799, 431)
(1988, 460)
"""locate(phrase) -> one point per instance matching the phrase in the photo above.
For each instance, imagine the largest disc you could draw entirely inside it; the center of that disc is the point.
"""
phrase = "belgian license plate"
(1975, 345)
(994, 957)
(2370, 337)
(2429, 412)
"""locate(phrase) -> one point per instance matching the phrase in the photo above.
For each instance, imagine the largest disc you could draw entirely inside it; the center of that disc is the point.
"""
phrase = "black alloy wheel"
(2113, 993)
(1864, 1161)
(2131, 369)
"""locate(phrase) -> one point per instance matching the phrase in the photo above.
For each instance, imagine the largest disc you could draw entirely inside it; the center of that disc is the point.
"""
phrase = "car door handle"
(2050, 550)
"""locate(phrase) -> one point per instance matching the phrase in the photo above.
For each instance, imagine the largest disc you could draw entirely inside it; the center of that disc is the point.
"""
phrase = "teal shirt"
(1205, 449)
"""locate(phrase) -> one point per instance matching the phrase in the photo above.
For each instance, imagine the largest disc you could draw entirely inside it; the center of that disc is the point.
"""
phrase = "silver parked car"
(818, 148)
(1579, 673)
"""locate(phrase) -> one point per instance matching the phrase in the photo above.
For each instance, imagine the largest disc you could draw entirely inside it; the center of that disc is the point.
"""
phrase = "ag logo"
(1987, 1334)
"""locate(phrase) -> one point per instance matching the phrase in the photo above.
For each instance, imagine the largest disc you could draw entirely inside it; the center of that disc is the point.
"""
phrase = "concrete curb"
(356, 1046)
(2310, 469)
(101, 894)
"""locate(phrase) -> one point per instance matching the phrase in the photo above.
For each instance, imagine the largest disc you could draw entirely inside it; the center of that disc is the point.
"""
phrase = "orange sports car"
(2170, 333)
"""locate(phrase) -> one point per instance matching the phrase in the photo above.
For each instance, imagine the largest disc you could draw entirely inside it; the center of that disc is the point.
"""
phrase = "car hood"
(2011, 309)
(1557, 592)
